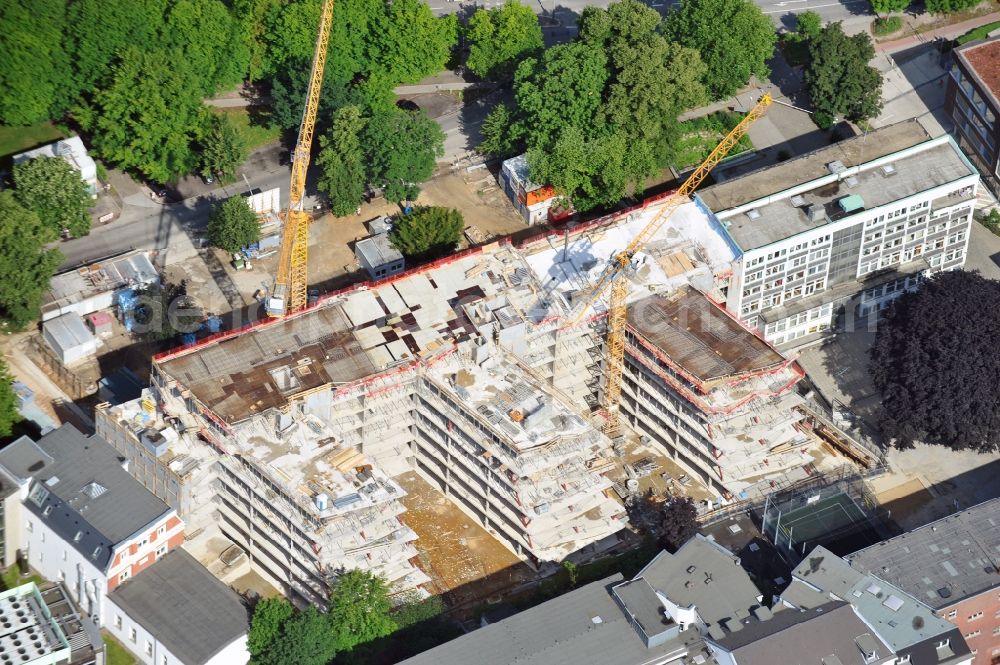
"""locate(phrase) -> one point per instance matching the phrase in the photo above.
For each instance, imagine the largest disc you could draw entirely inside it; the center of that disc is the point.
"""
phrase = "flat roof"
(780, 213)
(942, 562)
(80, 487)
(27, 630)
(184, 606)
(699, 336)
(807, 637)
(899, 618)
(982, 58)
(378, 250)
(69, 331)
(250, 373)
(704, 574)
(582, 627)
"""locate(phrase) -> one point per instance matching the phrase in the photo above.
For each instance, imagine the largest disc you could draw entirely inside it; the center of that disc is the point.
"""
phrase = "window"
(118, 621)
(64, 555)
(30, 526)
(160, 551)
(977, 615)
(123, 576)
(131, 634)
(149, 648)
(162, 530)
(164, 661)
(818, 254)
(972, 634)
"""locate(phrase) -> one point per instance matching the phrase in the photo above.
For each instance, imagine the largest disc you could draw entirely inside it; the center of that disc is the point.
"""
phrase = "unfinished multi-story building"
(285, 436)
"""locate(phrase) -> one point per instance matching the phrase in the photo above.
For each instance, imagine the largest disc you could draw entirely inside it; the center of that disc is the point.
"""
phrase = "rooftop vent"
(836, 166)
(798, 200)
(851, 182)
(888, 169)
(944, 592)
(815, 213)
(753, 213)
(94, 489)
(596, 620)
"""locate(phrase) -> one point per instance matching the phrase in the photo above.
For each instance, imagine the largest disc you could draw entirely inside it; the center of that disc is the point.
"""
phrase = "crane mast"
(290, 286)
(615, 274)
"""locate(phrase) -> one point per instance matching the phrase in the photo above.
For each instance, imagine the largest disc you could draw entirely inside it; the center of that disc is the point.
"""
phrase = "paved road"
(148, 225)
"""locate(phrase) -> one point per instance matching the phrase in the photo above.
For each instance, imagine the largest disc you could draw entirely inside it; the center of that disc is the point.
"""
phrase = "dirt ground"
(331, 239)
(905, 501)
(464, 561)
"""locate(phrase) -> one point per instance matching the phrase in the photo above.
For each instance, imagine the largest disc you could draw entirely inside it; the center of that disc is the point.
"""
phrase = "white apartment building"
(828, 239)
(87, 523)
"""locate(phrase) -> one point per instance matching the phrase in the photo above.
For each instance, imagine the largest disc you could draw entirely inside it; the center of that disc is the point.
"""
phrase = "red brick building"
(952, 565)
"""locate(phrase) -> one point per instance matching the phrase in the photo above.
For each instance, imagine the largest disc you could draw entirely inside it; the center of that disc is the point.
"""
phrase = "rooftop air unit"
(798, 201)
(888, 170)
(816, 213)
(753, 214)
(836, 167)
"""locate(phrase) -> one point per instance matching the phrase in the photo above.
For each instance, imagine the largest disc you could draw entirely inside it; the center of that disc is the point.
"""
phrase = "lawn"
(699, 136)
(978, 33)
(10, 579)
(19, 139)
(117, 654)
(255, 135)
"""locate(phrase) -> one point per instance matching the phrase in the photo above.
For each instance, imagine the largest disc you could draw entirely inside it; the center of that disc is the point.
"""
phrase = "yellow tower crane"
(290, 286)
(615, 274)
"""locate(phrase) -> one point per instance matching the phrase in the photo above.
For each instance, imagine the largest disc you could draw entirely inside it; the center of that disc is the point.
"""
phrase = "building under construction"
(285, 436)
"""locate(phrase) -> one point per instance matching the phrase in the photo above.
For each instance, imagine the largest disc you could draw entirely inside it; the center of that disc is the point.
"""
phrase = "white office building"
(829, 238)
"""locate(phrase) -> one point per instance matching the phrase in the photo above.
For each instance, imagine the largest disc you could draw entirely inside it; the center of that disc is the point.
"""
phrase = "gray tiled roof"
(804, 637)
(899, 618)
(704, 574)
(80, 487)
(942, 562)
(562, 631)
(184, 606)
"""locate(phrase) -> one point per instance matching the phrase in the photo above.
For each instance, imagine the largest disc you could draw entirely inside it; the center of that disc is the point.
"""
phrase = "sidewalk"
(947, 32)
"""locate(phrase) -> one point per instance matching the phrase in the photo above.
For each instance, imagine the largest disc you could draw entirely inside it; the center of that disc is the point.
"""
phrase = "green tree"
(401, 148)
(735, 39)
(838, 77)
(410, 43)
(500, 37)
(306, 639)
(427, 232)
(25, 265)
(210, 41)
(9, 414)
(269, 617)
(949, 6)
(223, 148)
(342, 162)
(808, 24)
(679, 522)
(359, 609)
(52, 188)
(564, 88)
(102, 28)
(885, 7)
(233, 225)
(147, 116)
(164, 310)
(498, 139)
(35, 72)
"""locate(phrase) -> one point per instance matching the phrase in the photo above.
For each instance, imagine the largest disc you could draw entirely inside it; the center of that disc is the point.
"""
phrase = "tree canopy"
(165, 310)
(52, 188)
(233, 225)
(401, 149)
(735, 39)
(427, 232)
(359, 609)
(9, 414)
(148, 115)
(223, 148)
(838, 77)
(36, 76)
(949, 6)
(935, 366)
(599, 115)
(500, 37)
(886, 7)
(25, 265)
(341, 161)
(680, 522)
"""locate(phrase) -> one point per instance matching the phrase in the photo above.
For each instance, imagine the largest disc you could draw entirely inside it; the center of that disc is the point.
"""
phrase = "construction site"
(285, 437)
